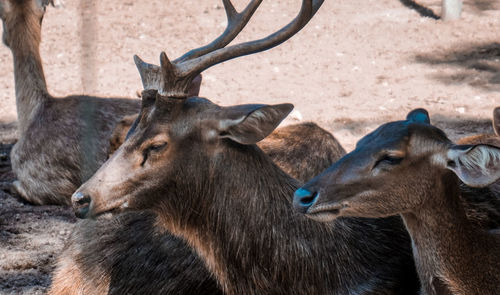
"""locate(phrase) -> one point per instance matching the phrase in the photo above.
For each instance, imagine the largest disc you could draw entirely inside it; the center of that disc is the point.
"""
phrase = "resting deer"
(196, 165)
(124, 254)
(412, 169)
(62, 140)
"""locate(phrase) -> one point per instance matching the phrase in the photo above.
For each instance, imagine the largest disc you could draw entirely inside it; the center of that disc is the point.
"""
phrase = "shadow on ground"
(420, 9)
(478, 65)
(483, 5)
(30, 236)
(455, 128)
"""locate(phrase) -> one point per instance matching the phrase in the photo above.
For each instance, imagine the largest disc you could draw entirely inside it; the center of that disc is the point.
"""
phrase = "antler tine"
(173, 79)
(235, 23)
(195, 66)
(150, 74)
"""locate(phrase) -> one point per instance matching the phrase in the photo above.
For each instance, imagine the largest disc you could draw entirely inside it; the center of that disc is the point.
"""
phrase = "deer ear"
(194, 88)
(496, 120)
(418, 116)
(476, 165)
(148, 100)
(249, 124)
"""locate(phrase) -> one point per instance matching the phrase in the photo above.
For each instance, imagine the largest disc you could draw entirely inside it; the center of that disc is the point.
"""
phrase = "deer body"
(411, 168)
(132, 252)
(448, 249)
(197, 165)
(236, 213)
(62, 140)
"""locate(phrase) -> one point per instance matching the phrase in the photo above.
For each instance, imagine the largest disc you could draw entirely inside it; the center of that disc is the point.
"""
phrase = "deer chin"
(110, 209)
(326, 212)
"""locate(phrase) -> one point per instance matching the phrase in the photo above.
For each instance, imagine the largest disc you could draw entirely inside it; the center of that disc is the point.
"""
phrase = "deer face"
(171, 152)
(14, 11)
(393, 169)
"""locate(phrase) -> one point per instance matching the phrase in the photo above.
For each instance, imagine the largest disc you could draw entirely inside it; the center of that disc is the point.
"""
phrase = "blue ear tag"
(419, 116)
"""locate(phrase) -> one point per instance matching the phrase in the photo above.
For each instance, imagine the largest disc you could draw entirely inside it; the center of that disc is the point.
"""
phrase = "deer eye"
(388, 160)
(152, 149)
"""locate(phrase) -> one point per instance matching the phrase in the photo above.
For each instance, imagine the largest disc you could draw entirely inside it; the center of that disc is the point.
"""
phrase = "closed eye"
(152, 149)
(388, 160)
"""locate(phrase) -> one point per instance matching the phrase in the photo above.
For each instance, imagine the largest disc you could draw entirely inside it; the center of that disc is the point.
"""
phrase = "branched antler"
(173, 78)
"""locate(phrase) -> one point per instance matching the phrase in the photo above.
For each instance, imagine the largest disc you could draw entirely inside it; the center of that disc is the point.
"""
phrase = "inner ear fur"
(476, 165)
(249, 124)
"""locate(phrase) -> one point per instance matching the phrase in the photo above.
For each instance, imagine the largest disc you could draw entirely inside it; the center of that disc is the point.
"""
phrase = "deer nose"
(304, 199)
(81, 204)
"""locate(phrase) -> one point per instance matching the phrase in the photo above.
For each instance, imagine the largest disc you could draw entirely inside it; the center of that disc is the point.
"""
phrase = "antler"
(173, 78)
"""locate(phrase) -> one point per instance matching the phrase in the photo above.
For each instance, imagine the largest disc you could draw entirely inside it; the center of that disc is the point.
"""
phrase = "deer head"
(30, 11)
(177, 142)
(394, 170)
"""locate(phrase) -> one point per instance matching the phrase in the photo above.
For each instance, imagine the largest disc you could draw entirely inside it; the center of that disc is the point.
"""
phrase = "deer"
(491, 139)
(410, 168)
(128, 250)
(62, 141)
(197, 166)
(50, 163)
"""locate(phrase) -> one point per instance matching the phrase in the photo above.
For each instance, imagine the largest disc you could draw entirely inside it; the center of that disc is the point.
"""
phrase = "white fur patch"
(480, 156)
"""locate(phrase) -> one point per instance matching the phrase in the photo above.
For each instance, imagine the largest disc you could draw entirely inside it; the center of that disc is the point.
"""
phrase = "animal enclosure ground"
(357, 64)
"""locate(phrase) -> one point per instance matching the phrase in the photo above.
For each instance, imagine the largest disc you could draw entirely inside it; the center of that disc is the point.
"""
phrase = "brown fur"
(128, 254)
(453, 256)
(232, 205)
(491, 139)
(304, 149)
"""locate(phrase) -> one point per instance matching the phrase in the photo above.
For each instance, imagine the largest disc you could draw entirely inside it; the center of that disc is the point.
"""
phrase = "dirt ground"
(357, 64)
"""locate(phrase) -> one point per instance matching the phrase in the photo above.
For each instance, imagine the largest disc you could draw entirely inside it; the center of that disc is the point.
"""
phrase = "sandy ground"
(357, 64)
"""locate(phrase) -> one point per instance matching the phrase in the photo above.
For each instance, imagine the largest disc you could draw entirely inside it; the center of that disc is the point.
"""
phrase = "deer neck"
(30, 85)
(249, 233)
(443, 240)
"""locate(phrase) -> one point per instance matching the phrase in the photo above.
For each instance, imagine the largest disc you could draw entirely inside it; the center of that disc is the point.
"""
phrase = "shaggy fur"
(127, 254)
(88, 257)
(233, 205)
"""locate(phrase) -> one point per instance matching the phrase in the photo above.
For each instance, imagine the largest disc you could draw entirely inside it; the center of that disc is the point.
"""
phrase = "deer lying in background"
(196, 165)
(62, 140)
(411, 168)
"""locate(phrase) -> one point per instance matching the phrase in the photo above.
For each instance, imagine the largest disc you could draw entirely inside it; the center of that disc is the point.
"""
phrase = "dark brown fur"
(147, 260)
(233, 206)
(411, 168)
(128, 254)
